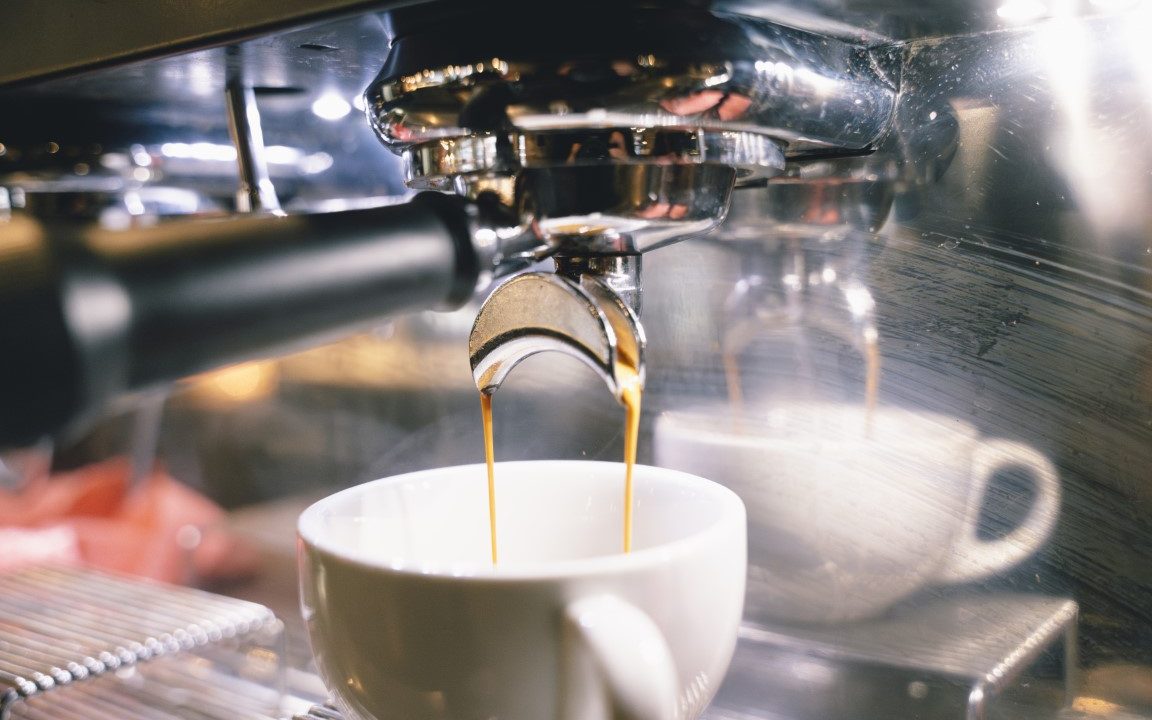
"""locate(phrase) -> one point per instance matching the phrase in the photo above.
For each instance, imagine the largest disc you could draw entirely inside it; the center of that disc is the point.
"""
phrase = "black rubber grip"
(86, 315)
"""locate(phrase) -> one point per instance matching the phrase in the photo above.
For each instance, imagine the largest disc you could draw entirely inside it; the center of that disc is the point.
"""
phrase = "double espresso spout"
(540, 311)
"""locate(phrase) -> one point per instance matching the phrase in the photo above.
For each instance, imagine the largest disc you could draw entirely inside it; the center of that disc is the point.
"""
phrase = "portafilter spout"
(540, 311)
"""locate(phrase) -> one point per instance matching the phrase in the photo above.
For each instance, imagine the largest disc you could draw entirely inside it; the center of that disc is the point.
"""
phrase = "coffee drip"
(579, 315)
(629, 395)
(490, 462)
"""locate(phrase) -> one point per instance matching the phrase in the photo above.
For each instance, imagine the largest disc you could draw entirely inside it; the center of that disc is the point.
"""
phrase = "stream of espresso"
(490, 460)
(871, 384)
(735, 392)
(630, 391)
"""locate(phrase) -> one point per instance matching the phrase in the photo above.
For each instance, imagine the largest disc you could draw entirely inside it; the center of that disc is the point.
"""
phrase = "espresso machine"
(382, 209)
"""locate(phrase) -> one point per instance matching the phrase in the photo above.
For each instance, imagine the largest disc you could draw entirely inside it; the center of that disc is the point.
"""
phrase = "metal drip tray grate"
(78, 643)
(965, 657)
(952, 658)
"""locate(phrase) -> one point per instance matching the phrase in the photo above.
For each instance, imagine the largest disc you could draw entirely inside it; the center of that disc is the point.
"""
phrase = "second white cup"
(846, 518)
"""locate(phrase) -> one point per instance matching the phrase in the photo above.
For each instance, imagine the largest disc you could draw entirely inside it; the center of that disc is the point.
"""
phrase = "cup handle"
(973, 558)
(616, 656)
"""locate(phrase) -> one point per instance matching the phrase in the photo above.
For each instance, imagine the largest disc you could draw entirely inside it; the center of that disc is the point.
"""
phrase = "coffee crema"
(630, 390)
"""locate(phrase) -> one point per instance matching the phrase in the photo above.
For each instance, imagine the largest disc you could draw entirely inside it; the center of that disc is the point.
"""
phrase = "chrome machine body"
(963, 187)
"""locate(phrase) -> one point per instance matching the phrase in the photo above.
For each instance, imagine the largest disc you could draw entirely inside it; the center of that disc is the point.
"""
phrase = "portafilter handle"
(88, 315)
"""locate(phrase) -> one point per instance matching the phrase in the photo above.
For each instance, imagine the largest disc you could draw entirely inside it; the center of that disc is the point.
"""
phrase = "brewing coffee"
(629, 394)
(490, 462)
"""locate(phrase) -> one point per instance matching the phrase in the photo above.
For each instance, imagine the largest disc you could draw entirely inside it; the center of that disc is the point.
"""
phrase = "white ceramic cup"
(844, 523)
(409, 619)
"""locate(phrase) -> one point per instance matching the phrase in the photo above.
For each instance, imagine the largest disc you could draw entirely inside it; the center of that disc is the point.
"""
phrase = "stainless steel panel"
(45, 39)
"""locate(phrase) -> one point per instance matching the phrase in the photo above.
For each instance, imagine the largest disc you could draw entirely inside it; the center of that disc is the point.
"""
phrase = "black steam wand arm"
(87, 315)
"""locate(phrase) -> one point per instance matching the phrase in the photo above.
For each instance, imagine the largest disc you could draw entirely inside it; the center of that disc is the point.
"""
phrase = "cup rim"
(731, 509)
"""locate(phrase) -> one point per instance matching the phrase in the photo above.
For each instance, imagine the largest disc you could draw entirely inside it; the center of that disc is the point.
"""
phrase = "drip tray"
(967, 658)
(84, 644)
